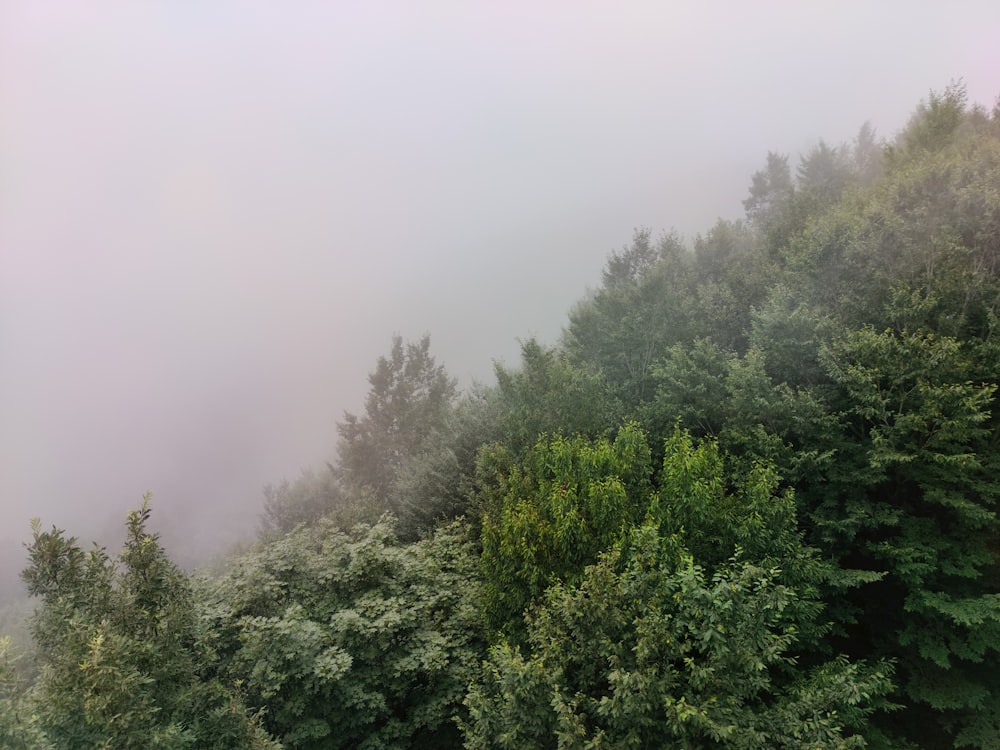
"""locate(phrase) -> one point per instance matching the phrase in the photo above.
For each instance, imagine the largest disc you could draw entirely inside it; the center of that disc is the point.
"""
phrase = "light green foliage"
(934, 123)
(570, 501)
(352, 639)
(123, 655)
(651, 651)
(754, 521)
(15, 616)
(928, 227)
(574, 499)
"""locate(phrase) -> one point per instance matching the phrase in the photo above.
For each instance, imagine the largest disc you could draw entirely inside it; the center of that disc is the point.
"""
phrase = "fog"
(215, 215)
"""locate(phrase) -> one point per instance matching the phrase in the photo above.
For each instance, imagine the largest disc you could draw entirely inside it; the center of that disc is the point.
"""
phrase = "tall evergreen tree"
(409, 400)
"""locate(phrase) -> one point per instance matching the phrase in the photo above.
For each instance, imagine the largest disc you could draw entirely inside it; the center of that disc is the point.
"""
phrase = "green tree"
(550, 394)
(574, 499)
(934, 123)
(125, 661)
(823, 174)
(442, 482)
(734, 276)
(924, 495)
(770, 190)
(409, 400)
(867, 155)
(847, 339)
(645, 304)
(928, 226)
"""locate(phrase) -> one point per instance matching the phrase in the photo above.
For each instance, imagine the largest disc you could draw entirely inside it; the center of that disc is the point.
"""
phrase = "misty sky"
(214, 215)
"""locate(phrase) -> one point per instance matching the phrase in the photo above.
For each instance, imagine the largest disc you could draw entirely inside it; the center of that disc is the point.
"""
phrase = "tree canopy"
(748, 500)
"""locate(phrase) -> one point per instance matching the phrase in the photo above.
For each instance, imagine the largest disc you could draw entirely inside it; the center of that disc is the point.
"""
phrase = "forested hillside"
(747, 501)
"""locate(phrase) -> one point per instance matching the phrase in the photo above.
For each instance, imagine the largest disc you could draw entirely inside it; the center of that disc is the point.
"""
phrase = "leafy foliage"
(548, 395)
(351, 639)
(437, 485)
(571, 500)
(850, 343)
(648, 650)
(931, 491)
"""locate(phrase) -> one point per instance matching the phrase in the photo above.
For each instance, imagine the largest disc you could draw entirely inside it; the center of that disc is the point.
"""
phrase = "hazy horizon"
(215, 216)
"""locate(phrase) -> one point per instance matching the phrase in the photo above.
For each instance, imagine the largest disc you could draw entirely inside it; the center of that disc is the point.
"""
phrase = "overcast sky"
(214, 215)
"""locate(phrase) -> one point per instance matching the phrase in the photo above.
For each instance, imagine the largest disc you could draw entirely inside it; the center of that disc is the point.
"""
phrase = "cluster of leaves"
(353, 639)
(569, 502)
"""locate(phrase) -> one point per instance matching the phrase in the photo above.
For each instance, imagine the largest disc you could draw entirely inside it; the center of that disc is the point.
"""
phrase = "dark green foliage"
(734, 399)
(651, 651)
(850, 342)
(929, 483)
(124, 657)
(351, 639)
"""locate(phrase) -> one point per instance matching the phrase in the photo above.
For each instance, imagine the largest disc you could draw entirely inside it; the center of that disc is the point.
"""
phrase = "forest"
(747, 501)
